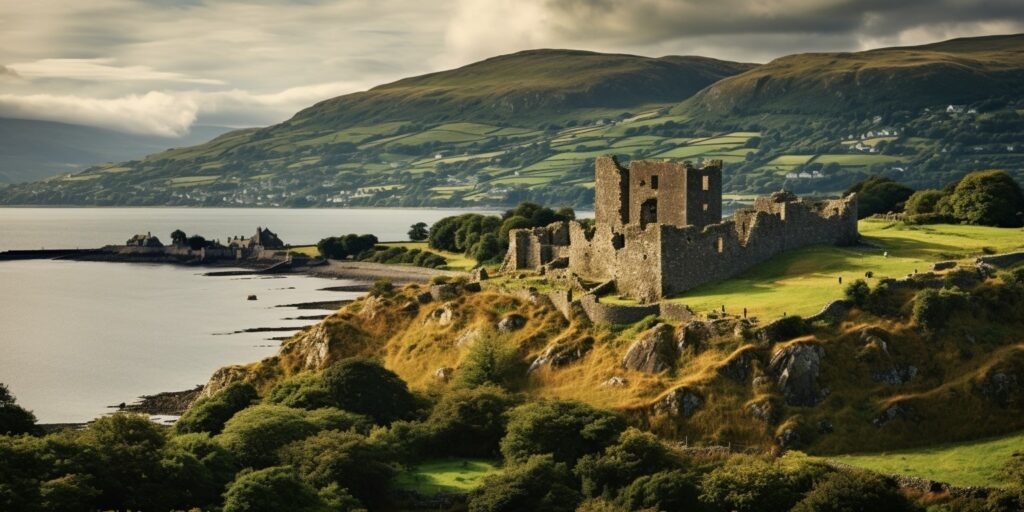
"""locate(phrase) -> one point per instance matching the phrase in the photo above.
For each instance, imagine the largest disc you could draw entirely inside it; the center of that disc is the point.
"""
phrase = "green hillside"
(527, 126)
(957, 71)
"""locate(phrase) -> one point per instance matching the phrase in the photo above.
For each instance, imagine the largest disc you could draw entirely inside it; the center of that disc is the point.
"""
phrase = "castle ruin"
(658, 230)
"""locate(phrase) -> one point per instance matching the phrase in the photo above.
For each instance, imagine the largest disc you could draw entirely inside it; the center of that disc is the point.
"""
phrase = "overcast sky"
(160, 66)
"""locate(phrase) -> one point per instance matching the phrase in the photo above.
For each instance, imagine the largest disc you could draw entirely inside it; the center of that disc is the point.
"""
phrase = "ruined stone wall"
(704, 195)
(611, 192)
(601, 313)
(628, 255)
(692, 257)
(531, 248)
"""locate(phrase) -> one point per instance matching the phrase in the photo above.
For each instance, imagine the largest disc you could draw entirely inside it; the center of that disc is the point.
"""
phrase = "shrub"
(210, 414)
(381, 288)
(665, 490)
(854, 491)
(14, 419)
(194, 471)
(567, 430)
(358, 385)
(883, 300)
(344, 246)
(126, 452)
(539, 483)
(491, 360)
(858, 292)
(923, 202)
(271, 490)
(418, 232)
(636, 453)
(879, 194)
(345, 458)
(254, 434)
(929, 218)
(753, 485)
(470, 422)
(932, 308)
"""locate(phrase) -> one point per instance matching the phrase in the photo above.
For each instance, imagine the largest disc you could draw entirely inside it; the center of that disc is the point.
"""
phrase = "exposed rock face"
(512, 322)
(680, 402)
(1000, 387)
(737, 367)
(411, 307)
(694, 335)
(372, 306)
(796, 368)
(895, 375)
(424, 298)
(654, 352)
(444, 374)
(314, 346)
(563, 354)
(893, 412)
(615, 382)
(788, 438)
(480, 274)
(764, 410)
(943, 265)
(221, 379)
(443, 315)
(443, 291)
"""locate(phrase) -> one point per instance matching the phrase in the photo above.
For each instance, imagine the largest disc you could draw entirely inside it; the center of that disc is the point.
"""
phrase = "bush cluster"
(485, 237)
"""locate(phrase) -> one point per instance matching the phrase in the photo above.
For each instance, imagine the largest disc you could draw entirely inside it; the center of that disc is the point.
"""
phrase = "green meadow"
(447, 476)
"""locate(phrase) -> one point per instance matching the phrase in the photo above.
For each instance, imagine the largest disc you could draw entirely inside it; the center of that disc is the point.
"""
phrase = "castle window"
(654, 182)
(721, 245)
(704, 207)
(707, 183)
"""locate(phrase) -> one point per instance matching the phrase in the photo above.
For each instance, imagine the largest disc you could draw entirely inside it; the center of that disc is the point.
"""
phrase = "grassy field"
(802, 281)
(454, 476)
(972, 463)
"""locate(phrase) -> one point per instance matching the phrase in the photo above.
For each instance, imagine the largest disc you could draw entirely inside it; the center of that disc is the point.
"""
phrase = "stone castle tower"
(659, 231)
(648, 192)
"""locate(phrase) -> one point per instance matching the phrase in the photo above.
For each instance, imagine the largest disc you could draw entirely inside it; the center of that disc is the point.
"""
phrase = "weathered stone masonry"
(658, 230)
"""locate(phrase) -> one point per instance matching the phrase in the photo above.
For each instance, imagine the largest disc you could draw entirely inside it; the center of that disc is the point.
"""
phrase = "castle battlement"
(659, 232)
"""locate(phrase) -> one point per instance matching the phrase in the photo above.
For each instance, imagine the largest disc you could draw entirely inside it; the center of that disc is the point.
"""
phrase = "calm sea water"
(82, 228)
(76, 337)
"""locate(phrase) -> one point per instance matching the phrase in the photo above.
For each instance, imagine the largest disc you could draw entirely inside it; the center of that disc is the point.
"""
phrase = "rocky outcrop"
(615, 382)
(680, 402)
(738, 366)
(512, 322)
(654, 352)
(469, 337)
(796, 368)
(444, 374)
(563, 354)
(443, 314)
(694, 336)
(895, 375)
(943, 265)
(480, 274)
(893, 412)
(831, 312)
(1000, 387)
(444, 291)
(764, 410)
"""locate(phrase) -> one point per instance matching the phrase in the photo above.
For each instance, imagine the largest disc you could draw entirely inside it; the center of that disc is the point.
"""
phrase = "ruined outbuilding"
(659, 231)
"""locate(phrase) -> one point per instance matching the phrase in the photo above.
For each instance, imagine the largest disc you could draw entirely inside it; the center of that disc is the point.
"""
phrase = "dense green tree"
(923, 202)
(254, 434)
(14, 419)
(194, 471)
(665, 490)
(538, 483)
(988, 198)
(359, 385)
(854, 492)
(342, 247)
(126, 468)
(635, 454)
(470, 422)
(271, 490)
(196, 242)
(754, 485)
(348, 459)
(568, 430)
(879, 194)
(418, 232)
(933, 308)
(210, 414)
(178, 237)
